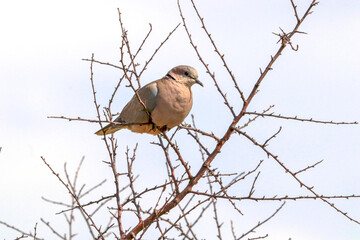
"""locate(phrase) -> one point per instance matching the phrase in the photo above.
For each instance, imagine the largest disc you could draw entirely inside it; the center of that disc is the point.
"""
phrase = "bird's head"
(185, 74)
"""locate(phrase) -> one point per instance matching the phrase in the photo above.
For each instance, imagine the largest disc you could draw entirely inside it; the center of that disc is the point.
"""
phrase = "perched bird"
(167, 100)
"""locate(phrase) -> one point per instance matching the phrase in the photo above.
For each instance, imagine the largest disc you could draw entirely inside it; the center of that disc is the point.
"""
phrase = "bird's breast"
(173, 104)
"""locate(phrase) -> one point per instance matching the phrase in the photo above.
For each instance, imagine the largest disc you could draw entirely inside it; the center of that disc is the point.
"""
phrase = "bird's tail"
(111, 128)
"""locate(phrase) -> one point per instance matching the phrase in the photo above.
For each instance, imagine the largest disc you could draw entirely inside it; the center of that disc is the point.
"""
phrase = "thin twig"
(212, 74)
(308, 167)
(296, 178)
(218, 52)
(130, 161)
(157, 49)
(299, 119)
(262, 222)
(75, 197)
(52, 229)
(175, 148)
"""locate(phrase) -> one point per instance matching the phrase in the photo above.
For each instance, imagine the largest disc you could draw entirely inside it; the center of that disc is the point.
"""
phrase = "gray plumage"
(167, 100)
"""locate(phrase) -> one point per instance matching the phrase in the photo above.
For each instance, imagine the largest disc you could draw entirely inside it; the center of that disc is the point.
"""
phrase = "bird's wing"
(134, 111)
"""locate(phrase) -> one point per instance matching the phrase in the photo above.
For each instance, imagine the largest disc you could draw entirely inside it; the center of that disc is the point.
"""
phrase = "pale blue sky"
(42, 44)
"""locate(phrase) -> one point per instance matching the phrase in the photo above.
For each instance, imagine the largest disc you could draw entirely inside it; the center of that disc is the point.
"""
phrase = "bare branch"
(52, 229)
(262, 222)
(295, 11)
(273, 136)
(218, 52)
(298, 119)
(24, 234)
(75, 198)
(308, 167)
(169, 164)
(104, 63)
(275, 198)
(175, 148)
(130, 161)
(156, 50)
(189, 128)
(296, 178)
(252, 190)
(212, 74)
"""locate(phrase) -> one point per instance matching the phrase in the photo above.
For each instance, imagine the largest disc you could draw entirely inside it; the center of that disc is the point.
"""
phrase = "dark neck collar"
(169, 75)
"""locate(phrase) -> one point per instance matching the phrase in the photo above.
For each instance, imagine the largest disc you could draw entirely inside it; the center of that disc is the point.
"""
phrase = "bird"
(168, 101)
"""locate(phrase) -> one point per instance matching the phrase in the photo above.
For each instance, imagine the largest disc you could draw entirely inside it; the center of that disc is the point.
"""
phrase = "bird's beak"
(198, 82)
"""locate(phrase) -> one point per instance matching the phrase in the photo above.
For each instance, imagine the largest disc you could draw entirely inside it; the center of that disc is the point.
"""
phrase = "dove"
(167, 101)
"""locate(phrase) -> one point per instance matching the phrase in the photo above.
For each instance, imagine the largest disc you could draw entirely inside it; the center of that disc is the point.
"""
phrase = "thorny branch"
(75, 198)
(262, 222)
(176, 149)
(295, 177)
(24, 234)
(296, 118)
(130, 162)
(182, 186)
(275, 198)
(212, 74)
(218, 52)
(232, 127)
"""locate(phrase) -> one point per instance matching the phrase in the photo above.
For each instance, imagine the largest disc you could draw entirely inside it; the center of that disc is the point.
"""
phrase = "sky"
(43, 43)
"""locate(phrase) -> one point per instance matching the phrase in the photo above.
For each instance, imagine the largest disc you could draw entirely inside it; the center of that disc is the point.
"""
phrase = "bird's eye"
(187, 73)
